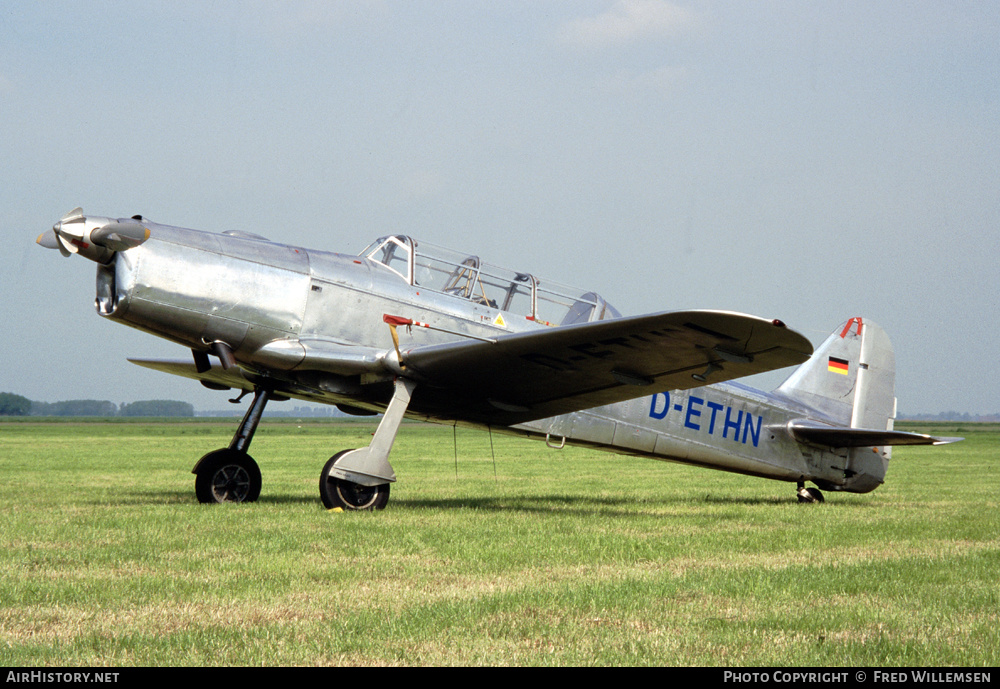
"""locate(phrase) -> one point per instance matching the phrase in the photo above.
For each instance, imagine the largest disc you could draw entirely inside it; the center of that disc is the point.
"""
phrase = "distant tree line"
(16, 405)
(951, 416)
(156, 408)
(74, 408)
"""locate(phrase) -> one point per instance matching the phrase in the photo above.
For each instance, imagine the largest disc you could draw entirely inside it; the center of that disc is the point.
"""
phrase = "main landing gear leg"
(808, 494)
(359, 479)
(230, 474)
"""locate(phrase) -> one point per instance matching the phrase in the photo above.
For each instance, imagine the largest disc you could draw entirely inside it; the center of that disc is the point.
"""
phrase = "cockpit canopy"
(466, 277)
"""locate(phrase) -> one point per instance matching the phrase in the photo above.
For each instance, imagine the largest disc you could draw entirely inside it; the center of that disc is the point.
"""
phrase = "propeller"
(120, 235)
(75, 232)
(63, 233)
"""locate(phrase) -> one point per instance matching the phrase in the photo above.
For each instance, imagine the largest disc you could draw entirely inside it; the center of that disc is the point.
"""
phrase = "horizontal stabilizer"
(834, 436)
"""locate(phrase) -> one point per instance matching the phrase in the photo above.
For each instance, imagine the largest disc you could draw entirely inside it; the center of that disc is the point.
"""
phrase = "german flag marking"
(836, 365)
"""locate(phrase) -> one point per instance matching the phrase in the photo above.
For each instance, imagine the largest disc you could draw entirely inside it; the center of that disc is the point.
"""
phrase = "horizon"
(332, 410)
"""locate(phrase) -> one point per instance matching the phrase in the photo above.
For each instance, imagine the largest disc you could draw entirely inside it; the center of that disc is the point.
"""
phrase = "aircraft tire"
(227, 476)
(810, 495)
(347, 495)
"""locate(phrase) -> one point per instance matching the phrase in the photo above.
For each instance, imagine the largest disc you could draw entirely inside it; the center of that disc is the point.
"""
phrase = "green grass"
(542, 557)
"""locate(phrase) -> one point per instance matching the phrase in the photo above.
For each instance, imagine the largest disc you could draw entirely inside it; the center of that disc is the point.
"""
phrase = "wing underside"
(216, 377)
(539, 374)
(529, 375)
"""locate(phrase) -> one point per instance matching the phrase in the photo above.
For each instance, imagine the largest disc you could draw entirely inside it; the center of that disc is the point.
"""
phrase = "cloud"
(628, 21)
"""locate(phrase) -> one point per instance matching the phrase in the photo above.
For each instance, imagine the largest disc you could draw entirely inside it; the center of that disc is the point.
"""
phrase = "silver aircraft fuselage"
(329, 328)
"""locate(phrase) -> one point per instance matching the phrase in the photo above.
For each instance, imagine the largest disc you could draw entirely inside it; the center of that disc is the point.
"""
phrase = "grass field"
(541, 557)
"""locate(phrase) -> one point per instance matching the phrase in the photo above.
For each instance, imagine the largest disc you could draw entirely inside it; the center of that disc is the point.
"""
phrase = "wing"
(833, 436)
(525, 376)
(531, 375)
(216, 378)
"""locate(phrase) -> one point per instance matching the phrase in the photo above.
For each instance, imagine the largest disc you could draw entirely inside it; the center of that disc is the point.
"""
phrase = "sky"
(808, 161)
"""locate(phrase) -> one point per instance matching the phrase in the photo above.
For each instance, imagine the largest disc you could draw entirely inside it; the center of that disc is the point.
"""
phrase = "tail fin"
(848, 389)
(850, 378)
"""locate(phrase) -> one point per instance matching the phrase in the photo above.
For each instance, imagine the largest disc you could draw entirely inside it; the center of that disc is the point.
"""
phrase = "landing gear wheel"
(809, 495)
(347, 495)
(227, 476)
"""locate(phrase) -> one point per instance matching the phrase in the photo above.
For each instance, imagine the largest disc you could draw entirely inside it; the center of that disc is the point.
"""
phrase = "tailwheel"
(227, 475)
(809, 494)
(347, 495)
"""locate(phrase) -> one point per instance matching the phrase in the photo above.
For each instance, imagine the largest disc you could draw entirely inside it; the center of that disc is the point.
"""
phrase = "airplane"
(410, 329)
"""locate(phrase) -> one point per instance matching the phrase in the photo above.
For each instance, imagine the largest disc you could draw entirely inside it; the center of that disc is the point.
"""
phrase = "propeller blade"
(72, 224)
(48, 240)
(66, 245)
(120, 235)
(74, 215)
(52, 240)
